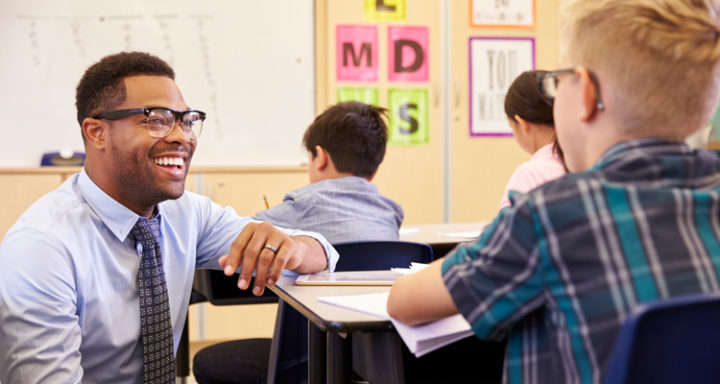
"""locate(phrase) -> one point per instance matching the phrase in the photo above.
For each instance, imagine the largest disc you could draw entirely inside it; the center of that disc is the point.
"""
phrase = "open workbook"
(419, 339)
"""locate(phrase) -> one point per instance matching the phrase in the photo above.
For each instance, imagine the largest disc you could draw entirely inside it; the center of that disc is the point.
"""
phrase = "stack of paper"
(419, 339)
(414, 267)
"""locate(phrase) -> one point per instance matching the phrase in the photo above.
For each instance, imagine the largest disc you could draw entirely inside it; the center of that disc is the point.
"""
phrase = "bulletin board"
(248, 64)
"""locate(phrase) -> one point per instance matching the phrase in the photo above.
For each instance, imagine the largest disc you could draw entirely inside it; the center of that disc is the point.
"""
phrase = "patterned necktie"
(155, 325)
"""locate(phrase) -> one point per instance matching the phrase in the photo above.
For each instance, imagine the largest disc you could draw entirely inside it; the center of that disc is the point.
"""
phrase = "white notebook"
(419, 339)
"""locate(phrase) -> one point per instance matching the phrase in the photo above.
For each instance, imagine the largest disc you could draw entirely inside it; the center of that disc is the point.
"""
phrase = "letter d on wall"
(408, 117)
(408, 54)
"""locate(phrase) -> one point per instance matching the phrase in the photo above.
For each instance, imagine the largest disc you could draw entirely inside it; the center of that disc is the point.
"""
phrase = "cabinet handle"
(214, 187)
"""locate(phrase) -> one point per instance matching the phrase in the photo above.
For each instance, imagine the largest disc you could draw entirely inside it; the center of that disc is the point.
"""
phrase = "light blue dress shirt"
(69, 308)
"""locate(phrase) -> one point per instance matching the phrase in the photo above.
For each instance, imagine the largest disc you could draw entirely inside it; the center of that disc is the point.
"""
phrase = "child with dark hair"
(530, 115)
(345, 144)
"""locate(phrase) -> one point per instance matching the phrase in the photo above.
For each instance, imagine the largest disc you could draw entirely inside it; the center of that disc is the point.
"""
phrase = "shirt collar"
(544, 151)
(118, 218)
(639, 148)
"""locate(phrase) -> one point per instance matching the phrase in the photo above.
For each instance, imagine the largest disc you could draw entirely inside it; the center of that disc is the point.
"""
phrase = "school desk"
(341, 341)
(441, 237)
(329, 330)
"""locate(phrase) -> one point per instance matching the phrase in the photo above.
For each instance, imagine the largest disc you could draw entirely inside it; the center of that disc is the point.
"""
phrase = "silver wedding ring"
(270, 247)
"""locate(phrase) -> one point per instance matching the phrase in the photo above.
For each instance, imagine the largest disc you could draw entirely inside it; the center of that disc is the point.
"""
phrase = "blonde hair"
(660, 57)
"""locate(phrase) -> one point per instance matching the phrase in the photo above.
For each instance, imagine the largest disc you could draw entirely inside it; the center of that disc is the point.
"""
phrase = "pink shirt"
(544, 165)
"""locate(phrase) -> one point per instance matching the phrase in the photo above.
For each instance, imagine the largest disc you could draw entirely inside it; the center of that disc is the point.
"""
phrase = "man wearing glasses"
(95, 277)
(636, 220)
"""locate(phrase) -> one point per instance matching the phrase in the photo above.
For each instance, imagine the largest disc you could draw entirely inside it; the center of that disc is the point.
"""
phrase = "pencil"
(266, 203)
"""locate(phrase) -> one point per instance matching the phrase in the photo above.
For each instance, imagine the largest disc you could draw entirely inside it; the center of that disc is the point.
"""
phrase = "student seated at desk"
(346, 145)
(530, 114)
(95, 276)
(636, 220)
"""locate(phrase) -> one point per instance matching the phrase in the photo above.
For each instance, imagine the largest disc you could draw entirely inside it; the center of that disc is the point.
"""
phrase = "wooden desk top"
(329, 317)
(448, 233)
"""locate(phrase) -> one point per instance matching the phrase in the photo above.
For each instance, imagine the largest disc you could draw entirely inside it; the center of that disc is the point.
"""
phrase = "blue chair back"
(381, 255)
(669, 341)
(288, 352)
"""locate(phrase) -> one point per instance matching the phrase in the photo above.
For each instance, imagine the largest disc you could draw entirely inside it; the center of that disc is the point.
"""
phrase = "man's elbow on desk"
(421, 297)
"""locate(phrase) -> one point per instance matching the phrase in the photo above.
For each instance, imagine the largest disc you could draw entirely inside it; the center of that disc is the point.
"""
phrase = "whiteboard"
(248, 64)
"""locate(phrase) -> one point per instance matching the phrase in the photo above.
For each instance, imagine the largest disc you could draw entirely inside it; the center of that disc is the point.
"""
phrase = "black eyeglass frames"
(548, 83)
(160, 121)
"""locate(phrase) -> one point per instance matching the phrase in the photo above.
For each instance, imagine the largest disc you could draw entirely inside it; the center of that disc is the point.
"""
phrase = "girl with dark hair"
(530, 115)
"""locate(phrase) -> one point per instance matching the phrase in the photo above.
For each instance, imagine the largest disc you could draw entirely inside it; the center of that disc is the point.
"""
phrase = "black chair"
(371, 255)
(669, 341)
(213, 286)
(289, 349)
(219, 289)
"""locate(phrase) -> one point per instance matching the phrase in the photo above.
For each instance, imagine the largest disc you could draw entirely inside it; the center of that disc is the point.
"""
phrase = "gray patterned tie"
(155, 324)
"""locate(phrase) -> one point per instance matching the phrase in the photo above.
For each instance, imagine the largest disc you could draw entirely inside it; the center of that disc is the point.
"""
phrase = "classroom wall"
(454, 177)
(480, 166)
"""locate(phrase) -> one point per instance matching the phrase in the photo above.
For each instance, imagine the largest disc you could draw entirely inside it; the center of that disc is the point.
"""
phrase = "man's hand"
(265, 249)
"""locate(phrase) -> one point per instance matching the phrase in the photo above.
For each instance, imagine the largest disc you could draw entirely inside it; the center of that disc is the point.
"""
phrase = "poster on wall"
(494, 63)
(408, 54)
(384, 10)
(408, 117)
(502, 13)
(357, 53)
(363, 95)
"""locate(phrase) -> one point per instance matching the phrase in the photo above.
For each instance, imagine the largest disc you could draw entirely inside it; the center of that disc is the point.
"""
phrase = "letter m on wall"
(356, 49)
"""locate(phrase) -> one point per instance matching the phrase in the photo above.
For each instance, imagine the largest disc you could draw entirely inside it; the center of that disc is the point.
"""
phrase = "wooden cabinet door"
(481, 165)
(244, 190)
(19, 191)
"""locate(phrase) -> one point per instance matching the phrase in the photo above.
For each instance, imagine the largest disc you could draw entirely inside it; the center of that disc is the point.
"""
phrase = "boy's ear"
(588, 92)
(522, 124)
(321, 158)
(94, 131)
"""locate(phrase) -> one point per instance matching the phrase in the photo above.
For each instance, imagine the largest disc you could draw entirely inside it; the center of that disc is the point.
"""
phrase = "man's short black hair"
(102, 87)
(354, 134)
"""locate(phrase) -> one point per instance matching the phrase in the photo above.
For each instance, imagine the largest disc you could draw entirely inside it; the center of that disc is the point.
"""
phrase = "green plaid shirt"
(559, 270)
